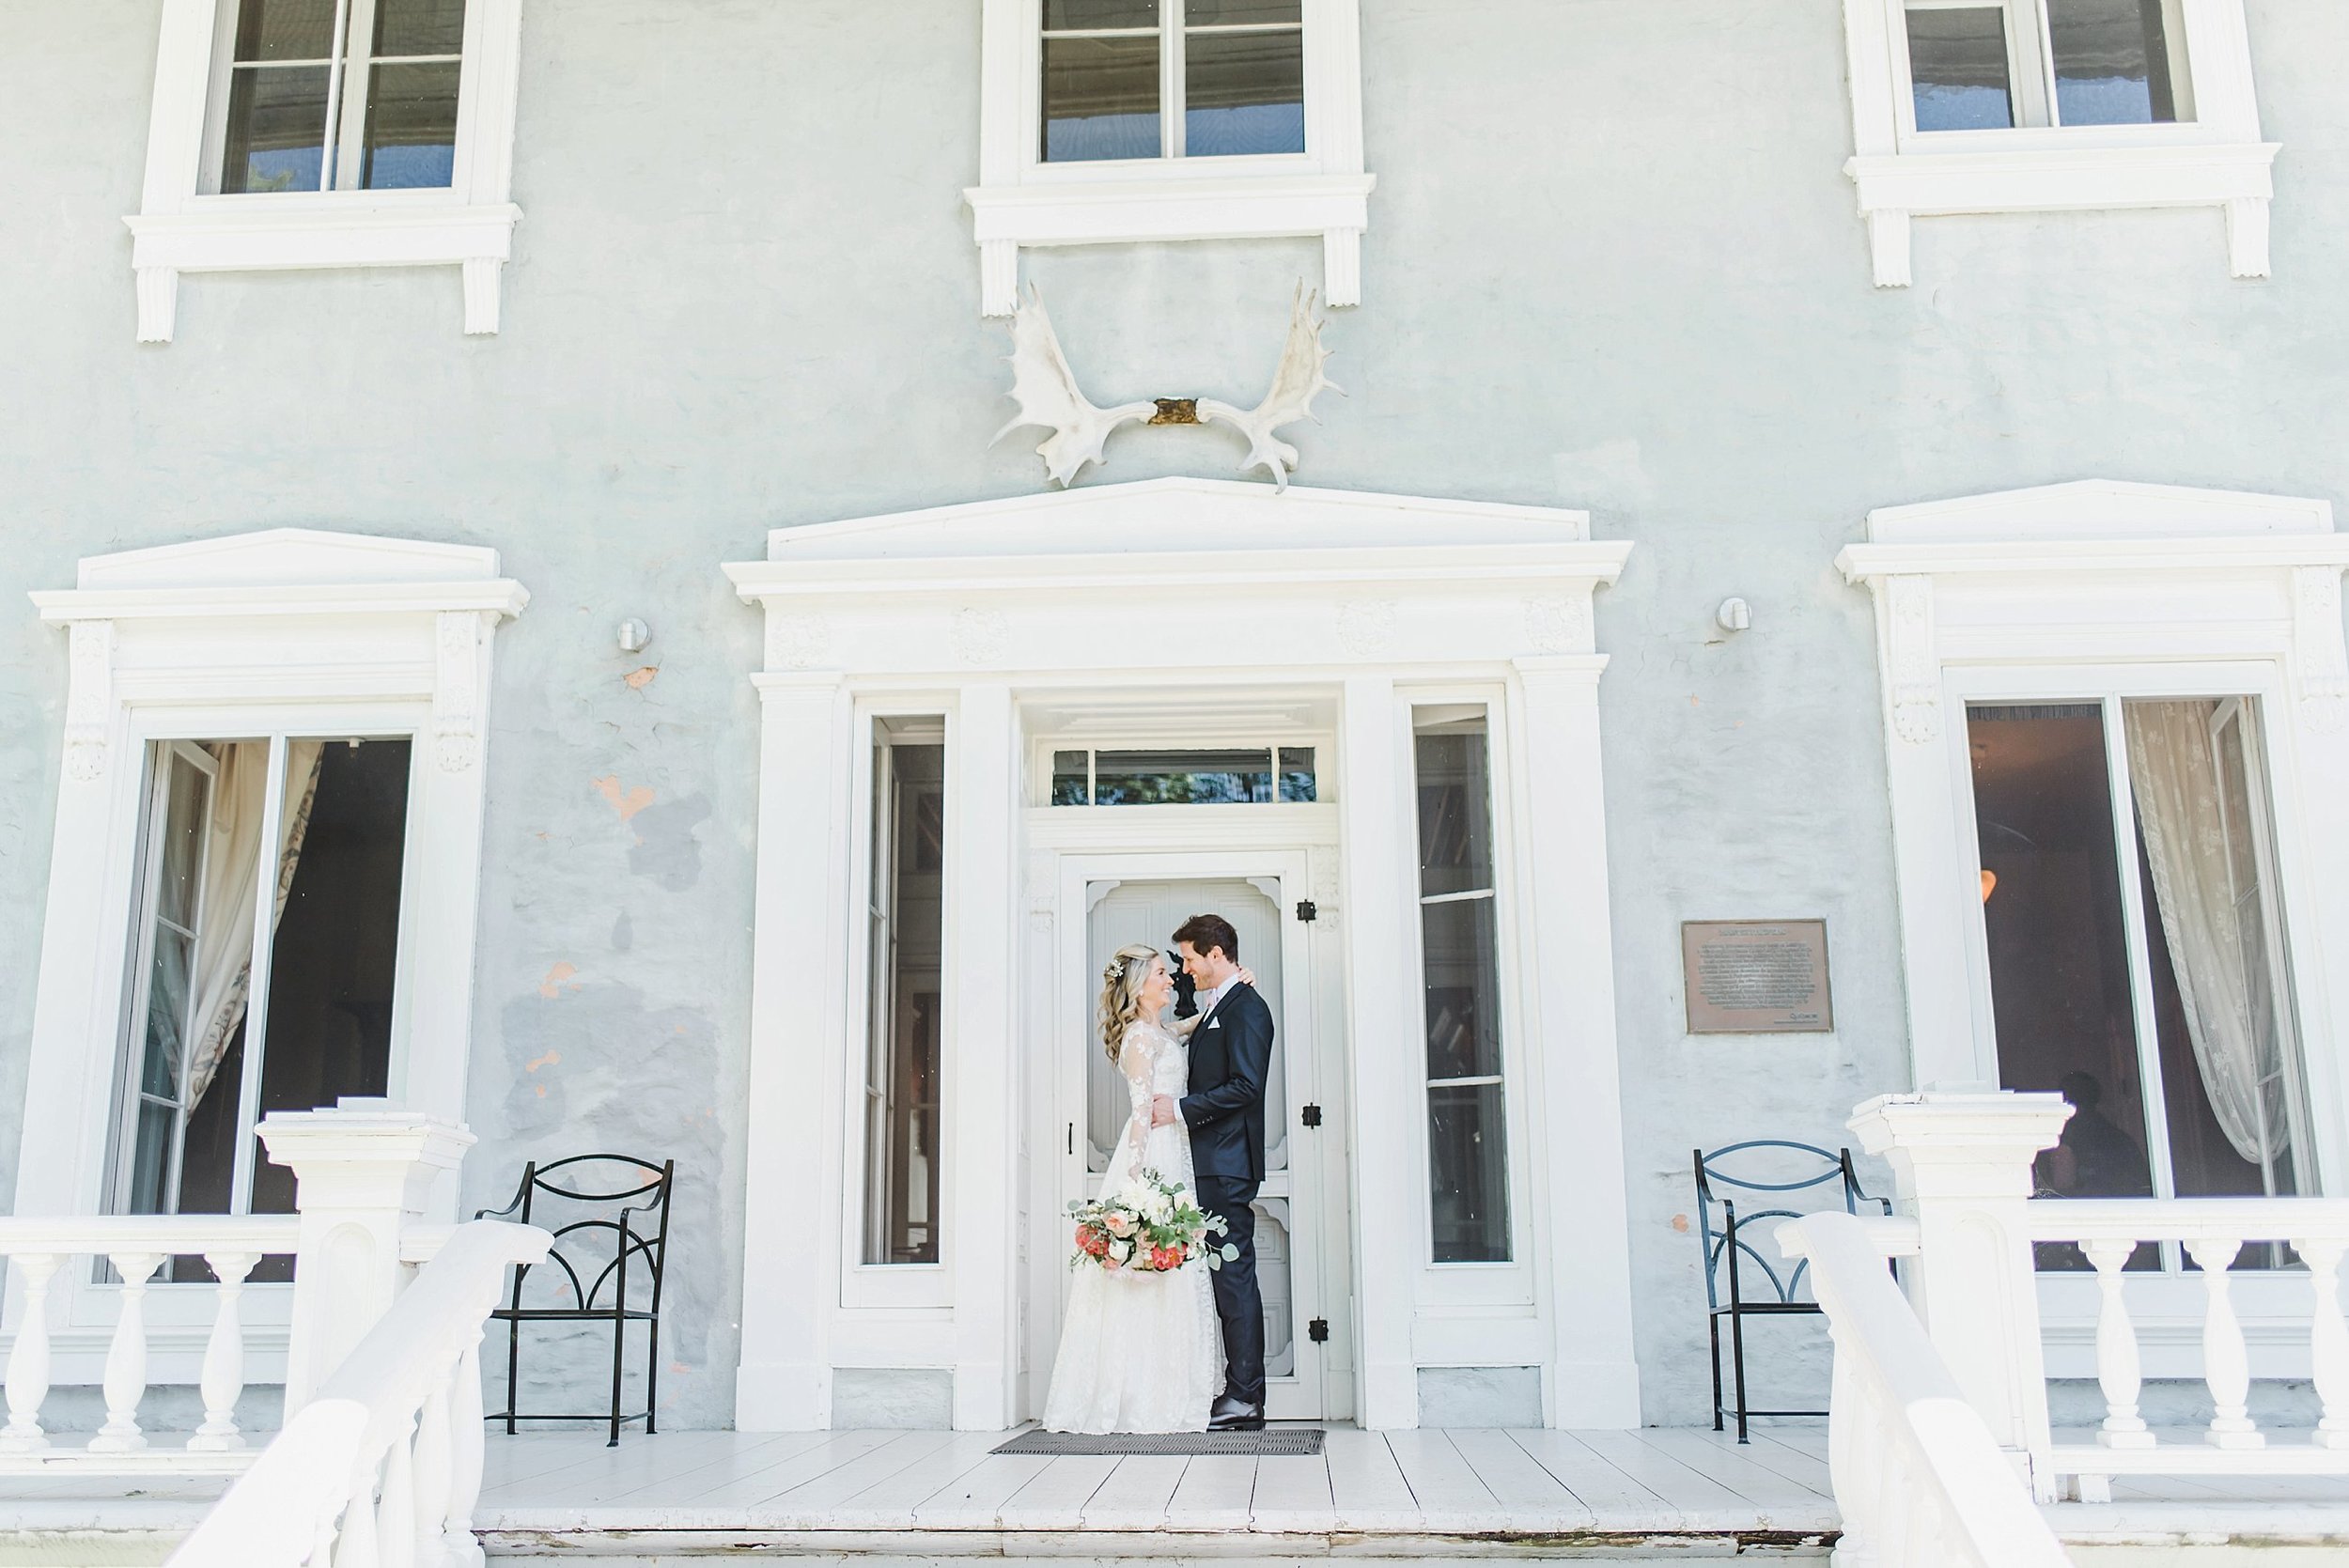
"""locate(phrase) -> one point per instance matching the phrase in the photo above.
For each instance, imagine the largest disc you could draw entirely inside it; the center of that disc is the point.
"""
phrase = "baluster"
(432, 1480)
(223, 1377)
(126, 1357)
(461, 1547)
(28, 1360)
(1856, 1456)
(2118, 1369)
(2226, 1360)
(2328, 1342)
(396, 1514)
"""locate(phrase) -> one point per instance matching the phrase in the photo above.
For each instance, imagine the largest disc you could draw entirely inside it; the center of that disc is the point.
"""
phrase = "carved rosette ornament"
(1916, 673)
(89, 697)
(456, 689)
(1560, 624)
(2322, 658)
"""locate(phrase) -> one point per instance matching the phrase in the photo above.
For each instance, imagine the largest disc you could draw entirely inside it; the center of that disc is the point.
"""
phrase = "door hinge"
(1318, 1330)
(1307, 910)
(1310, 1115)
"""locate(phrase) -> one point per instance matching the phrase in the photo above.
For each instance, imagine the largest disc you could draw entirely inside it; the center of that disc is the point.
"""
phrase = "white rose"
(1121, 1250)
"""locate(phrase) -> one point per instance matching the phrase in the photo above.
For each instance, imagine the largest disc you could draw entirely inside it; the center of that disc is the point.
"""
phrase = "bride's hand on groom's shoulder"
(1247, 976)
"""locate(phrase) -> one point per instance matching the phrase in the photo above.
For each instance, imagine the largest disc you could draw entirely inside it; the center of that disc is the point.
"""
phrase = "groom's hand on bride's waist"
(1162, 1112)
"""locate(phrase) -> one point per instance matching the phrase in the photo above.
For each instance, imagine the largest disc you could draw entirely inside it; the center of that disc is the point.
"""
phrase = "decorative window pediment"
(1112, 121)
(2044, 106)
(309, 133)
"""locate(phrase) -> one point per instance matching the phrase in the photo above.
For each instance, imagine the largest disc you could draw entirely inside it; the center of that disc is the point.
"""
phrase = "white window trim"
(1022, 201)
(286, 629)
(2219, 159)
(2136, 590)
(180, 229)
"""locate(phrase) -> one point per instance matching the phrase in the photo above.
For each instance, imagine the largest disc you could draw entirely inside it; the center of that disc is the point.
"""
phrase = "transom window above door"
(2136, 938)
(1172, 79)
(1259, 775)
(1983, 65)
(335, 95)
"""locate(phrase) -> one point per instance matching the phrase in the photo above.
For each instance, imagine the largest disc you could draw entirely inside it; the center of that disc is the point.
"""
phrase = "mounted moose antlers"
(1045, 390)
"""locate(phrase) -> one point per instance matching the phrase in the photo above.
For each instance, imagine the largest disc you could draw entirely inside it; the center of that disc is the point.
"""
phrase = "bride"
(1139, 1352)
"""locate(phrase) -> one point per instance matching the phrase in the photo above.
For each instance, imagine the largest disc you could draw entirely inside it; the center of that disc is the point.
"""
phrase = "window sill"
(2131, 173)
(235, 234)
(1218, 206)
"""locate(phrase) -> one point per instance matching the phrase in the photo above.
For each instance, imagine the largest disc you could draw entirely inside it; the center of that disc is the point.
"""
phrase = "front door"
(1291, 1216)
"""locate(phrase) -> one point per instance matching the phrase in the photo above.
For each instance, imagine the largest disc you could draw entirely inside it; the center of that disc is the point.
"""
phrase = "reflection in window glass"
(1957, 61)
(1185, 777)
(906, 1022)
(2111, 62)
(277, 138)
(1459, 947)
(395, 84)
(1244, 93)
(2204, 1096)
(1100, 99)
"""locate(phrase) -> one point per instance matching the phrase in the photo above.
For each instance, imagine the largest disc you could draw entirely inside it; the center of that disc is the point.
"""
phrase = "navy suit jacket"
(1230, 1051)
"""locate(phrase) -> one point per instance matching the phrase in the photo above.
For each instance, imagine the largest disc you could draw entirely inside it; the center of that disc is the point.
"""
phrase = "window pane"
(2111, 62)
(1071, 780)
(1229, 13)
(1245, 94)
(1100, 99)
(182, 850)
(151, 1161)
(276, 134)
(1182, 778)
(2058, 949)
(1957, 61)
(2235, 1111)
(1468, 1154)
(327, 1030)
(1463, 1030)
(908, 964)
(286, 30)
(1069, 15)
(167, 985)
(1455, 832)
(419, 27)
(412, 126)
(1297, 780)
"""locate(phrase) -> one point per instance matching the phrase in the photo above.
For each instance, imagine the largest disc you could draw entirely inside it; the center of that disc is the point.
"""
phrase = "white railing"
(43, 1251)
(1919, 1480)
(382, 1468)
(2214, 1233)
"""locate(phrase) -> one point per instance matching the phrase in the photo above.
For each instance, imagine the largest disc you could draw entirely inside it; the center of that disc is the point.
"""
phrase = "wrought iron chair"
(604, 1241)
(1724, 1242)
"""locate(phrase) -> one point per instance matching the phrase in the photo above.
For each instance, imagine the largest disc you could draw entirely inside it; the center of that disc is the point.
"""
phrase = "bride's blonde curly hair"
(1121, 993)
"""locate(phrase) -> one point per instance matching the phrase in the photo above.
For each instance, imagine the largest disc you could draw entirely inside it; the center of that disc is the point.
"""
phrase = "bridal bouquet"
(1150, 1225)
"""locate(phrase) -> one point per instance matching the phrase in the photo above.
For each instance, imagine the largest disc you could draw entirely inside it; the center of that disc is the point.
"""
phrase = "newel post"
(363, 1172)
(1961, 1160)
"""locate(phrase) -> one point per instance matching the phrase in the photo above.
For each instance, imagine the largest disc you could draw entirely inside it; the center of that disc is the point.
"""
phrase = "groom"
(1231, 1051)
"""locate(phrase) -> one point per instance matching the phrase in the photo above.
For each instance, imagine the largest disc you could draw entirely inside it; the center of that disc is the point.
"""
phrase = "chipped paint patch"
(553, 1057)
(638, 680)
(628, 804)
(556, 976)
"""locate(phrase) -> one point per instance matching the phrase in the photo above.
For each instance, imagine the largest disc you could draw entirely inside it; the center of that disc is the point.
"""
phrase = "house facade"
(1822, 580)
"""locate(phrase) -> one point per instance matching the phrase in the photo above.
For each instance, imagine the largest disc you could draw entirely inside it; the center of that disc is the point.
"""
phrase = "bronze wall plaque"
(1756, 976)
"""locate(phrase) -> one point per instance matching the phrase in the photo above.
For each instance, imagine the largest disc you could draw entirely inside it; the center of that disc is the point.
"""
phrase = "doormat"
(1282, 1441)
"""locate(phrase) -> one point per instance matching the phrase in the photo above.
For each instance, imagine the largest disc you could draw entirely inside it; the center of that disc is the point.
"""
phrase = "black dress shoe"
(1232, 1415)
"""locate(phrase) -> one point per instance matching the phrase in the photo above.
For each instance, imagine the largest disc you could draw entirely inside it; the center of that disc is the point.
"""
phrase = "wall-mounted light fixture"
(634, 634)
(1735, 614)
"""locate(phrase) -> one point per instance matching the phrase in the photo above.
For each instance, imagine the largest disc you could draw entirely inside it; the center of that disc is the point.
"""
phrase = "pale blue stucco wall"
(1613, 264)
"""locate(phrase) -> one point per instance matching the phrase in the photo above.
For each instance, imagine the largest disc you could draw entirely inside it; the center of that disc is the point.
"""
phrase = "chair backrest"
(610, 1217)
(1763, 1165)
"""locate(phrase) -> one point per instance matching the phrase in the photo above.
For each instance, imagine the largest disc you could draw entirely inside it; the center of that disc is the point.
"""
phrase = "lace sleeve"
(1136, 1057)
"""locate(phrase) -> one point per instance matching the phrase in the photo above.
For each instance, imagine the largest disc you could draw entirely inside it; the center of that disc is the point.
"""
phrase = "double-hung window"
(1125, 122)
(1964, 106)
(308, 133)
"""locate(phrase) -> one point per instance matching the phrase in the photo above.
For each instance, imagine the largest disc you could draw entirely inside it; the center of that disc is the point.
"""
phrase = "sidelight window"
(1459, 947)
(906, 918)
(263, 960)
(2136, 940)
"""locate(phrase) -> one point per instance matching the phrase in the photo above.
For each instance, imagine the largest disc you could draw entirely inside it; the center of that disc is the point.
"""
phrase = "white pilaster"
(1961, 1163)
(1379, 832)
(363, 1170)
(982, 1057)
(1576, 1077)
(792, 1205)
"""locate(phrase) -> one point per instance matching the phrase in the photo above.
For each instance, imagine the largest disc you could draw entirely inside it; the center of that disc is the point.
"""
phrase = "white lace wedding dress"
(1139, 1352)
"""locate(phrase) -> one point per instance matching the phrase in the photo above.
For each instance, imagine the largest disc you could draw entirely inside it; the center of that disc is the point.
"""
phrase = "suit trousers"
(1239, 1300)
